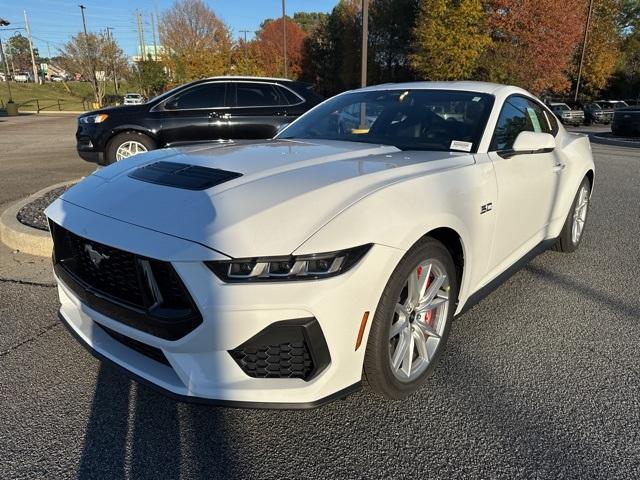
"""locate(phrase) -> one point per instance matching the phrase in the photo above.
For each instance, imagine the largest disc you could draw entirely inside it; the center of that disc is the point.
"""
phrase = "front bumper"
(200, 366)
(90, 143)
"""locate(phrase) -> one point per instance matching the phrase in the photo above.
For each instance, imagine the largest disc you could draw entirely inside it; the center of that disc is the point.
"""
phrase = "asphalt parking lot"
(540, 380)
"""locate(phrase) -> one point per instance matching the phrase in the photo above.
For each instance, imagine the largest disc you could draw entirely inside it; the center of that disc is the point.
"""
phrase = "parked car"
(280, 273)
(566, 114)
(57, 78)
(601, 111)
(23, 77)
(211, 109)
(133, 99)
(626, 122)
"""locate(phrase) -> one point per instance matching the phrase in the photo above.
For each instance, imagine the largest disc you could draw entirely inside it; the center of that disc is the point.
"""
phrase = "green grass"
(70, 95)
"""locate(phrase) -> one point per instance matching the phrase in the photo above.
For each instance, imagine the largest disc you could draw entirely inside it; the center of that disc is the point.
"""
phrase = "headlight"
(303, 267)
(97, 118)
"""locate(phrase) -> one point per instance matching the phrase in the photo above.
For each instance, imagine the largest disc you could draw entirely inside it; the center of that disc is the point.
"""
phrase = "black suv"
(211, 109)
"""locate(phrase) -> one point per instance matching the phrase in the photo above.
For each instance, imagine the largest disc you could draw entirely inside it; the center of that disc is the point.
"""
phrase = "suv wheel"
(125, 145)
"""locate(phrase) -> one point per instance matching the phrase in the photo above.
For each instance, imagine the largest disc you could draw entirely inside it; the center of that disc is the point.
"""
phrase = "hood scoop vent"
(179, 175)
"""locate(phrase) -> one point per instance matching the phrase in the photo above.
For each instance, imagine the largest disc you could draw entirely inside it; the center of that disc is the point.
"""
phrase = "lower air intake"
(287, 349)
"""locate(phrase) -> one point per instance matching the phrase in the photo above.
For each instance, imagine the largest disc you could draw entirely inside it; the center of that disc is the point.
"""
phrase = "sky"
(53, 22)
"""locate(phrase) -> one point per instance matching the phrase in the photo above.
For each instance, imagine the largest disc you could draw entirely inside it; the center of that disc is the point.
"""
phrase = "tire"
(121, 139)
(567, 242)
(381, 375)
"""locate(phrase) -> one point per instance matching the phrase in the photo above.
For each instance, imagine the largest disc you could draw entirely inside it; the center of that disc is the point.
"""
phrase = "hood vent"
(179, 175)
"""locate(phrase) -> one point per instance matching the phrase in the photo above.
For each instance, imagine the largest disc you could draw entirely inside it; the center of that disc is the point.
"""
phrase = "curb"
(614, 142)
(18, 236)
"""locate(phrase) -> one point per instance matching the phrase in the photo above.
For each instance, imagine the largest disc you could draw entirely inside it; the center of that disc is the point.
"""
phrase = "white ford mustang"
(276, 273)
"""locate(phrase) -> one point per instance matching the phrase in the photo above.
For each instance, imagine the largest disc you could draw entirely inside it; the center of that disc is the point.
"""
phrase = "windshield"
(442, 120)
(562, 106)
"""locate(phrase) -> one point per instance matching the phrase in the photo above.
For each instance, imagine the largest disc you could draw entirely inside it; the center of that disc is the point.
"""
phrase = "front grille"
(286, 360)
(286, 349)
(115, 272)
(142, 292)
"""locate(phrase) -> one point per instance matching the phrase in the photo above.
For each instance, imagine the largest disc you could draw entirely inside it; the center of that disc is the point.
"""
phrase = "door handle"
(558, 167)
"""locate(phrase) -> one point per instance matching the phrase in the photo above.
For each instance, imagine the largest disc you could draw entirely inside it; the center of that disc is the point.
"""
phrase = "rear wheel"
(412, 321)
(128, 144)
(573, 229)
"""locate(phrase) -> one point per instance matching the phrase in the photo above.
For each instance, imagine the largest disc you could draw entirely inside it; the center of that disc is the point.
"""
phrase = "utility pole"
(94, 80)
(155, 45)
(584, 49)
(144, 46)
(33, 58)
(246, 51)
(284, 37)
(4, 23)
(363, 71)
(113, 66)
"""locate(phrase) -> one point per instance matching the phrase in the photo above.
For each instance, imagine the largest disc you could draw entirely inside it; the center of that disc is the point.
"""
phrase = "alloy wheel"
(129, 149)
(580, 214)
(419, 320)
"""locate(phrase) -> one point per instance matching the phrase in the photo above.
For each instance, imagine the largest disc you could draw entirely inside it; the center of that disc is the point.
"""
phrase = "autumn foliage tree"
(197, 42)
(269, 45)
(603, 46)
(449, 39)
(533, 42)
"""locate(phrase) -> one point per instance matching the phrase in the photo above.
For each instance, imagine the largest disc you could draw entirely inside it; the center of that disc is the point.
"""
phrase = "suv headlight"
(301, 267)
(97, 118)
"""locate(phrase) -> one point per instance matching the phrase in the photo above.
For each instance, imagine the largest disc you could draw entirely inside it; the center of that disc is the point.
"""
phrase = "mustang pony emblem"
(95, 256)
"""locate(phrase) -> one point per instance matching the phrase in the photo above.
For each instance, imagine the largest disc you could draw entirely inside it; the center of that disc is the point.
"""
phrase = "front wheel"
(128, 144)
(411, 324)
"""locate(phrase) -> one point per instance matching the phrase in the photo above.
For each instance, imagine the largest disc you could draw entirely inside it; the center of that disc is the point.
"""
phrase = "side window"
(513, 119)
(209, 95)
(288, 96)
(539, 118)
(257, 95)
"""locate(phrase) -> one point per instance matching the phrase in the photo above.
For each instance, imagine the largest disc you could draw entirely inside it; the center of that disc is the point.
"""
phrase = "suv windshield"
(442, 120)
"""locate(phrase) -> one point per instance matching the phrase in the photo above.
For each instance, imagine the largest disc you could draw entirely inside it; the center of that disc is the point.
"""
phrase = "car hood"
(286, 192)
(119, 110)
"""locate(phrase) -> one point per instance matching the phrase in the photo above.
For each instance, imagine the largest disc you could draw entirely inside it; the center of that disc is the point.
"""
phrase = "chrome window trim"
(160, 106)
(302, 100)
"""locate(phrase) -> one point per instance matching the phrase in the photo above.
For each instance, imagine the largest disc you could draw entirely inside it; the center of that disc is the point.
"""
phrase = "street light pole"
(284, 37)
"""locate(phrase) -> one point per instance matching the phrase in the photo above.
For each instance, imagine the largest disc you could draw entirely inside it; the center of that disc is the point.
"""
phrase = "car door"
(258, 112)
(527, 183)
(195, 114)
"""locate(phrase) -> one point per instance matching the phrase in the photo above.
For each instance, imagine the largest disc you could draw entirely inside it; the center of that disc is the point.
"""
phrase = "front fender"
(402, 213)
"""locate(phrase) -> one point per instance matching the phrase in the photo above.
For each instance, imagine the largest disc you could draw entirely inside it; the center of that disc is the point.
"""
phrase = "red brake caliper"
(428, 316)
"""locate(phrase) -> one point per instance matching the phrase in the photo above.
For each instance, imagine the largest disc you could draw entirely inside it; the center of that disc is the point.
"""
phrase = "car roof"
(469, 86)
(244, 77)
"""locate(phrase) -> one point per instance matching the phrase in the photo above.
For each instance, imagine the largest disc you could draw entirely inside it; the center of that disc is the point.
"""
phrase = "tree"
(93, 54)
(449, 39)
(18, 47)
(245, 59)
(150, 77)
(309, 21)
(533, 42)
(603, 46)
(196, 41)
(331, 53)
(269, 44)
(391, 40)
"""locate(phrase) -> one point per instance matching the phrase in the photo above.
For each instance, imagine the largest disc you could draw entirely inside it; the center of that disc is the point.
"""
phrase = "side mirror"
(528, 143)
